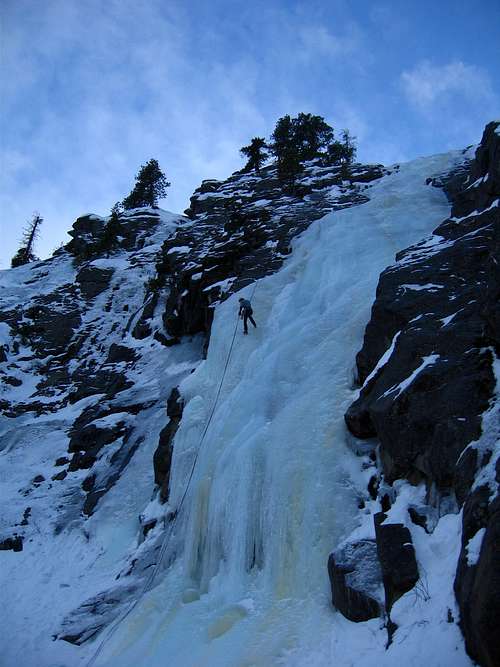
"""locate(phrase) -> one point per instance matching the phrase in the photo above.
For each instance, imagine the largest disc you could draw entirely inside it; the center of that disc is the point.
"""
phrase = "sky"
(92, 89)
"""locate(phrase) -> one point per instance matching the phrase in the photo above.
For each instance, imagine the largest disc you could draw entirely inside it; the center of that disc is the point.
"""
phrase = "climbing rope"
(149, 581)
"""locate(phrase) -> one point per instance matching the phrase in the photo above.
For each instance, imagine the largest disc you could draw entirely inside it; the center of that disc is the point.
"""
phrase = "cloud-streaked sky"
(92, 89)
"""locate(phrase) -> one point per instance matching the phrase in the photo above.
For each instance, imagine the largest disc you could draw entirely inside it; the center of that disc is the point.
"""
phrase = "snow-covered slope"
(276, 485)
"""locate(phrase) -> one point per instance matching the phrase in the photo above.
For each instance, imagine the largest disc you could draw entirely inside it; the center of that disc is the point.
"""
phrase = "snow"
(383, 360)
(417, 288)
(449, 318)
(179, 249)
(473, 547)
(223, 284)
(475, 213)
(275, 487)
(399, 388)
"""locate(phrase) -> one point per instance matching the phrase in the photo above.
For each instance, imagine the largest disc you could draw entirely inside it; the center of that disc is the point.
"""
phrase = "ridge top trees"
(256, 154)
(151, 184)
(26, 254)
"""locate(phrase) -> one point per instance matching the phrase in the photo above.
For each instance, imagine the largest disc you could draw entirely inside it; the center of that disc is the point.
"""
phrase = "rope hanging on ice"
(149, 581)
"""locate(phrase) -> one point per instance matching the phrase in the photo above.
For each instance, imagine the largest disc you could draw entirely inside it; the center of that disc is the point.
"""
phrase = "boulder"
(356, 580)
(397, 558)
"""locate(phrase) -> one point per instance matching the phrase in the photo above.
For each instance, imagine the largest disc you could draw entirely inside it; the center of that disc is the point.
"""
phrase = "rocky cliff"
(429, 374)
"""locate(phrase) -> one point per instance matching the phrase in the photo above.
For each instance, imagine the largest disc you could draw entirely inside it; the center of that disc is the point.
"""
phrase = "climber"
(246, 313)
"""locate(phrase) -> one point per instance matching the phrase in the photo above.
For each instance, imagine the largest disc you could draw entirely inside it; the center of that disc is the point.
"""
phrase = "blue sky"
(92, 89)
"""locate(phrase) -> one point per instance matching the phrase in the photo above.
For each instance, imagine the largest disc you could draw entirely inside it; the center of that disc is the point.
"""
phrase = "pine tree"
(112, 228)
(285, 149)
(256, 154)
(26, 254)
(296, 140)
(151, 185)
(348, 153)
(312, 135)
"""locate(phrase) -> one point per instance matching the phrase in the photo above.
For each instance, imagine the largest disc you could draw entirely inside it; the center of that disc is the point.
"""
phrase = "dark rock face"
(436, 318)
(477, 583)
(86, 233)
(356, 580)
(162, 459)
(93, 281)
(397, 558)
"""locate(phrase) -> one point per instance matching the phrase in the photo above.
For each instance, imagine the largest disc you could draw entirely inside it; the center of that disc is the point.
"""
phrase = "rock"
(93, 281)
(397, 558)
(424, 516)
(95, 613)
(50, 321)
(162, 458)
(94, 438)
(477, 584)
(36, 481)
(26, 516)
(59, 476)
(119, 353)
(356, 580)
(61, 461)
(11, 380)
(236, 240)
(175, 404)
(438, 315)
(14, 543)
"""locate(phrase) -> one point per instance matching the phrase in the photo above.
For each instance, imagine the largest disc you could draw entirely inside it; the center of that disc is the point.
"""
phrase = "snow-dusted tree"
(256, 154)
(26, 254)
(151, 184)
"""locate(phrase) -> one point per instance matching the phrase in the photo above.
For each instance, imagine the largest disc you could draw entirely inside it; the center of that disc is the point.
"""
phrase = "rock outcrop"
(162, 458)
(241, 230)
(428, 382)
(356, 580)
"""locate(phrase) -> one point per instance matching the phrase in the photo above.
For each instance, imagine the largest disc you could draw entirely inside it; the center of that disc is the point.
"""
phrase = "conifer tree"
(26, 254)
(296, 140)
(285, 149)
(151, 185)
(112, 228)
(348, 152)
(312, 135)
(256, 154)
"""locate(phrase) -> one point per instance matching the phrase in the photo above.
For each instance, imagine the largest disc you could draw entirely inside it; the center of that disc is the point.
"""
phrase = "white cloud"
(428, 84)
